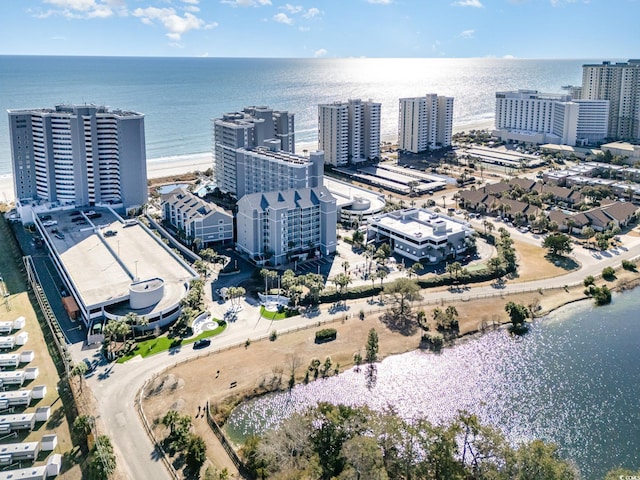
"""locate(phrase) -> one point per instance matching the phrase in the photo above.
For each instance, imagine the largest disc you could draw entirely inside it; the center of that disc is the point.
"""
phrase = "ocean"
(180, 96)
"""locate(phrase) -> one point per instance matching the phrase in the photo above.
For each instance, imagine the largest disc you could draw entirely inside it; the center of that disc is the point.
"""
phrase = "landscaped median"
(161, 344)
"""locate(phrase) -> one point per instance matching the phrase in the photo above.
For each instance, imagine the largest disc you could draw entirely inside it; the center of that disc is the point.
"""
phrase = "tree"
(196, 453)
(383, 253)
(517, 313)
(345, 266)
(83, 425)
(372, 346)
(414, 269)
(588, 232)
(170, 420)
(79, 370)
(402, 292)
(102, 462)
(341, 281)
(364, 459)
(557, 244)
(202, 268)
(315, 284)
(357, 238)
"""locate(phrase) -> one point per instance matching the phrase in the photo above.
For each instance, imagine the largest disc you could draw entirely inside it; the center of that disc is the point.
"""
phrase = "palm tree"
(345, 266)
(79, 370)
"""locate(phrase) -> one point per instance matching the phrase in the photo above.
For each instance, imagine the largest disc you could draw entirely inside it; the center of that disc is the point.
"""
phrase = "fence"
(242, 469)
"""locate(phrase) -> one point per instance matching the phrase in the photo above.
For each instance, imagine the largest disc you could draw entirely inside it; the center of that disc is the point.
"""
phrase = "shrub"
(433, 341)
(273, 335)
(601, 295)
(629, 265)
(589, 281)
(326, 335)
(608, 273)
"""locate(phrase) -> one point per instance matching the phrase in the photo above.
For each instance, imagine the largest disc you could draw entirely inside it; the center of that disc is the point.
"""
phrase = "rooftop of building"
(104, 265)
(278, 155)
(71, 109)
(420, 223)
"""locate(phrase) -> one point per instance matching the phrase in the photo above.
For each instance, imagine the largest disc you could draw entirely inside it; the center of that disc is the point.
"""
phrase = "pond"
(574, 379)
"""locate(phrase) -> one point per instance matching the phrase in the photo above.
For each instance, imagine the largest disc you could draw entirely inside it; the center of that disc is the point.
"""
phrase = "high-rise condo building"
(425, 123)
(253, 127)
(533, 117)
(620, 84)
(79, 155)
(349, 131)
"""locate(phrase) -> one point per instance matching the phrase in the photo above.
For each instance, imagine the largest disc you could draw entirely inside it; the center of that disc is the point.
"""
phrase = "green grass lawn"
(277, 315)
(152, 346)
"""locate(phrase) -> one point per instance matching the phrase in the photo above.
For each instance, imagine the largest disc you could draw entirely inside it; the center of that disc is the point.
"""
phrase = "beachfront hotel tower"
(246, 130)
(620, 84)
(533, 117)
(78, 155)
(425, 123)
(349, 132)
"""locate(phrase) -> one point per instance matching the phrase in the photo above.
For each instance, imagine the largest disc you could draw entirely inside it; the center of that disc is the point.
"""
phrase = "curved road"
(116, 386)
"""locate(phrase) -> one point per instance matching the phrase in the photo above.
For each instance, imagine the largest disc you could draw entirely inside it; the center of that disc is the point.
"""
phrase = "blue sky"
(322, 28)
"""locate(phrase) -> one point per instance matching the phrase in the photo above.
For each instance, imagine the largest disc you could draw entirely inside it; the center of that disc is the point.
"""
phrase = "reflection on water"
(574, 380)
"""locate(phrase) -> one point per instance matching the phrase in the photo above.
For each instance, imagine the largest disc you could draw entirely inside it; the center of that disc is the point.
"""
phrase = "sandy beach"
(179, 164)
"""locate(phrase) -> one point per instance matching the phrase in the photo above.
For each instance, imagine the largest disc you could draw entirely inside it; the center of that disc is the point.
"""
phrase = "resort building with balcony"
(349, 132)
(275, 228)
(197, 220)
(425, 123)
(78, 155)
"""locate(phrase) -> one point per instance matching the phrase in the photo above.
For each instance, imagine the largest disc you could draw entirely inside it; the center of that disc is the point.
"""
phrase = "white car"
(50, 223)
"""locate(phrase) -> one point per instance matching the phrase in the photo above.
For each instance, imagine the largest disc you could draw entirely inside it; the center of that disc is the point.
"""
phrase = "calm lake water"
(574, 379)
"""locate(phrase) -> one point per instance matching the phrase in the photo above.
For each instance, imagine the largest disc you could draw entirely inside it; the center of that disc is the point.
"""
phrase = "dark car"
(202, 343)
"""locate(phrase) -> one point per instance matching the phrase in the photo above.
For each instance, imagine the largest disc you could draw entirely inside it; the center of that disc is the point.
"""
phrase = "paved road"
(115, 386)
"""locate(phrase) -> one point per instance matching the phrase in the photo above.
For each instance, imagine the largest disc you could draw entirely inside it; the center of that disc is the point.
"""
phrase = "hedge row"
(331, 295)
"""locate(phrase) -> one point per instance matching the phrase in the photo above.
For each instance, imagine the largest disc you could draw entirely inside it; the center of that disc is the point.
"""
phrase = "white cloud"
(467, 33)
(192, 2)
(380, 2)
(468, 3)
(247, 3)
(175, 24)
(283, 18)
(312, 12)
(508, 56)
(80, 8)
(293, 9)
(322, 52)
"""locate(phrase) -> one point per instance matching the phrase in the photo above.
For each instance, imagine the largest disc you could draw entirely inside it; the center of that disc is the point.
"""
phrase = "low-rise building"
(196, 218)
(421, 235)
(276, 227)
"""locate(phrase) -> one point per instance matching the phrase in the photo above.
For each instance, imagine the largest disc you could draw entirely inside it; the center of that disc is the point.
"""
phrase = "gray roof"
(289, 199)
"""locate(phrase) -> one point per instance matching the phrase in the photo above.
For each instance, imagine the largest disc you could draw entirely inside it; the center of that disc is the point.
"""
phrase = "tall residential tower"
(79, 155)
(349, 131)
(620, 84)
(250, 128)
(425, 123)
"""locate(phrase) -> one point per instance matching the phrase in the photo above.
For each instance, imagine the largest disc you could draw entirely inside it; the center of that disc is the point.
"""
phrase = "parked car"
(59, 235)
(50, 223)
(202, 343)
